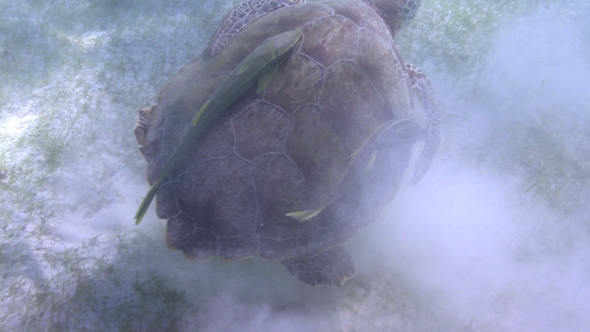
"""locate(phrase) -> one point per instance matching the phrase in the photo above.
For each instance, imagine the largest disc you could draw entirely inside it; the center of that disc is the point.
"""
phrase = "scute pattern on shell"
(245, 13)
(269, 155)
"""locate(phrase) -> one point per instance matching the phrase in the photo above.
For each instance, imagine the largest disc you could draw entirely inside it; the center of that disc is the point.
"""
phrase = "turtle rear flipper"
(331, 267)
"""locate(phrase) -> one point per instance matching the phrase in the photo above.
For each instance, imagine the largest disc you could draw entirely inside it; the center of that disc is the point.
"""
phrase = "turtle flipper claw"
(432, 119)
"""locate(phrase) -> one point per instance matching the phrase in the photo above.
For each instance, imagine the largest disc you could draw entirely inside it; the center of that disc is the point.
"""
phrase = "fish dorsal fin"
(265, 80)
(245, 13)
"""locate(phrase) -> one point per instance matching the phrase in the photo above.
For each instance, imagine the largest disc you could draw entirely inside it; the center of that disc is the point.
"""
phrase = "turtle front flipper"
(388, 135)
(257, 68)
(432, 118)
(331, 267)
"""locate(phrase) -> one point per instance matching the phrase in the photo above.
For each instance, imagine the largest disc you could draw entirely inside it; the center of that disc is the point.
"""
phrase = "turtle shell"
(289, 148)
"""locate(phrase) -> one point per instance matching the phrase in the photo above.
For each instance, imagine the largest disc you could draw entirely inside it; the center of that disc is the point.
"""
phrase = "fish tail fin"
(305, 215)
(145, 204)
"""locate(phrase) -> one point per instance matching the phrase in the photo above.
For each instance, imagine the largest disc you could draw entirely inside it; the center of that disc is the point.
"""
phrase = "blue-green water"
(495, 238)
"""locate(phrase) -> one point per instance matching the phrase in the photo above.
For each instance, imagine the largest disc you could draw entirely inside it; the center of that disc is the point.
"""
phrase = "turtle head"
(397, 13)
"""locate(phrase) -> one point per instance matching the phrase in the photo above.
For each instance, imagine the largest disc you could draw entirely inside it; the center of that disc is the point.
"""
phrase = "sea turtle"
(293, 129)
